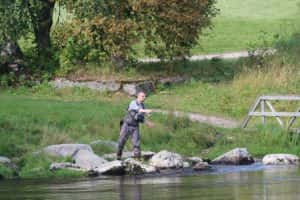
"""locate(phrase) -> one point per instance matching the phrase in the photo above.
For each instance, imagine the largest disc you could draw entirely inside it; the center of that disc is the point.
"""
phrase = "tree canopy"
(168, 27)
(110, 28)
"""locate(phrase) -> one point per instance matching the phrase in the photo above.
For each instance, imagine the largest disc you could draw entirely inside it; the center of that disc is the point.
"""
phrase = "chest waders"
(130, 128)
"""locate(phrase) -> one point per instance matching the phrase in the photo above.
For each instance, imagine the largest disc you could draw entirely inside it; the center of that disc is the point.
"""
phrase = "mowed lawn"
(244, 24)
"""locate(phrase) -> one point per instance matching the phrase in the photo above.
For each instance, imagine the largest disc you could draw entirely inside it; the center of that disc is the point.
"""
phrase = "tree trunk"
(43, 26)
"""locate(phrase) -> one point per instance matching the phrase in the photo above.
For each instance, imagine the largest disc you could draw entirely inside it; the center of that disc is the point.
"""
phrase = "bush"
(6, 172)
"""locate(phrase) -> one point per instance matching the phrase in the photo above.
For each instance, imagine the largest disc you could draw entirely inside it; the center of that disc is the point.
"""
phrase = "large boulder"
(193, 160)
(165, 159)
(146, 155)
(111, 168)
(88, 160)
(237, 156)
(65, 165)
(280, 159)
(4, 160)
(7, 162)
(136, 167)
(101, 86)
(65, 150)
(201, 166)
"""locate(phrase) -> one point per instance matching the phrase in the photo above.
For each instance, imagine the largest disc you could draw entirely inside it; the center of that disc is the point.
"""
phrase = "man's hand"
(145, 111)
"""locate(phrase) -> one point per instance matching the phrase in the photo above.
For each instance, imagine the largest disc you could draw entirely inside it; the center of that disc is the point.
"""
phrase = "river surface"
(223, 182)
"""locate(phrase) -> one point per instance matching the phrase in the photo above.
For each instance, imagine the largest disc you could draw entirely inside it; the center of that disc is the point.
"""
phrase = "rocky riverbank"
(84, 159)
(127, 87)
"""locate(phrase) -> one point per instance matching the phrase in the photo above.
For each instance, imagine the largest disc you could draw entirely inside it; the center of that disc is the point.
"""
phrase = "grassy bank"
(228, 88)
(31, 121)
(34, 118)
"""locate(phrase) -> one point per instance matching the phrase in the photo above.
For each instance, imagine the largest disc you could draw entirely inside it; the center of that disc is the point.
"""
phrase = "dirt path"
(211, 120)
(227, 55)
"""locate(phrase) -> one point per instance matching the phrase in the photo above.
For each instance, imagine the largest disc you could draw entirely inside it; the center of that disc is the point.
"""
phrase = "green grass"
(32, 118)
(230, 99)
(31, 121)
(242, 24)
(246, 24)
(37, 166)
(6, 172)
(259, 141)
(230, 91)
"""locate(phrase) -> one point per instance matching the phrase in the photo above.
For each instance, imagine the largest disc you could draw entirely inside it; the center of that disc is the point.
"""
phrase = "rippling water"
(224, 182)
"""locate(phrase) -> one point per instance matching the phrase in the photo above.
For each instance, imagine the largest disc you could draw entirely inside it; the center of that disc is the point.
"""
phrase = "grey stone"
(111, 168)
(7, 162)
(201, 166)
(86, 159)
(102, 86)
(237, 156)
(186, 164)
(146, 155)
(136, 167)
(65, 165)
(4, 160)
(280, 159)
(193, 160)
(129, 89)
(165, 159)
(62, 83)
(65, 150)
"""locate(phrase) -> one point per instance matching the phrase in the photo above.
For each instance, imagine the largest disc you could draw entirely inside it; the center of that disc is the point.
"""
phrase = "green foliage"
(113, 27)
(14, 20)
(171, 28)
(6, 172)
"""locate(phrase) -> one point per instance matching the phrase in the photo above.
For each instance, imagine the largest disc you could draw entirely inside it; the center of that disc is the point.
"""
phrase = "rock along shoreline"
(85, 160)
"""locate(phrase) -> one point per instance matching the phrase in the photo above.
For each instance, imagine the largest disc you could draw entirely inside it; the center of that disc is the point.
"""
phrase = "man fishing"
(130, 127)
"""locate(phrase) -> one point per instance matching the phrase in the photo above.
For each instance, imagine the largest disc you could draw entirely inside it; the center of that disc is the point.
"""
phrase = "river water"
(223, 182)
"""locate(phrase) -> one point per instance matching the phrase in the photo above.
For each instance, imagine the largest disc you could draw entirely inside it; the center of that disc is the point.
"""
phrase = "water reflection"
(271, 183)
(132, 192)
(138, 188)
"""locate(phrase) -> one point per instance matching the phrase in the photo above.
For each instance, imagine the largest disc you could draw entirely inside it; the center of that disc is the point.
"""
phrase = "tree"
(168, 27)
(18, 17)
(112, 27)
(109, 26)
(172, 27)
